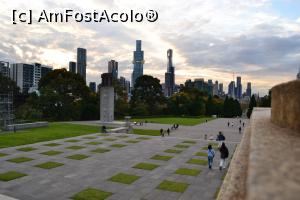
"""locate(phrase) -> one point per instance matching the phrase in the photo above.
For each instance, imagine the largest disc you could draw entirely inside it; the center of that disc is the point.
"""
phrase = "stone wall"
(26, 126)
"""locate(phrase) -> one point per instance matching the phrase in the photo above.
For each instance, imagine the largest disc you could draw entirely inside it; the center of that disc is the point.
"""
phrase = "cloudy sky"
(211, 39)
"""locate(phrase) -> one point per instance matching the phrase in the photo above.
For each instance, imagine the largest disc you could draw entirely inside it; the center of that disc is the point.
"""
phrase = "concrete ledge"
(266, 164)
(286, 105)
(26, 126)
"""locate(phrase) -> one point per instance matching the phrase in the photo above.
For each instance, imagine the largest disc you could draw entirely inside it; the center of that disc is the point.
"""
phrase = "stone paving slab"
(76, 175)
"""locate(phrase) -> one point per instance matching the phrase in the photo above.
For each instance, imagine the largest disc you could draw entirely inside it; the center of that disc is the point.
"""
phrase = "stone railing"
(266, 164)
(25, 126)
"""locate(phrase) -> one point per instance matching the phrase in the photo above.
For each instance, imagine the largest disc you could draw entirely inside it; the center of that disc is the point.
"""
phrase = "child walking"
(210, 156)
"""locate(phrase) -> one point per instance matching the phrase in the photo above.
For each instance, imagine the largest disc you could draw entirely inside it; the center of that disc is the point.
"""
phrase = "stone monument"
(106, 98)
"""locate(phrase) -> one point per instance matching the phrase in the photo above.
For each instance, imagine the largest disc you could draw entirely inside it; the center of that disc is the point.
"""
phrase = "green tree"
(252, 104)
(265, 101)
(148, 94)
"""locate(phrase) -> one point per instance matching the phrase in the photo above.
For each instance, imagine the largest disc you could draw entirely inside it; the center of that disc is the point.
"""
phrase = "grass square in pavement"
(100, 150)
(160, 157)
(146, 166)
(91, 194)
(189, 142)
(52, 144)
(200, 153)
(177, 151)
(197, 162)
(110, 139)
(118, 145)
(49, 165)
(75, 147)
(143, 138)
(188, 172)
(124, 178)
(11, 175)
(77, 157)
(132, 141)
(182, 146)
(27, 149)
(122, 136)
(72, 140)
(20, 159)
(3, 154)
(214, 146)
(172, 186)
(51, 153)
(94, 143)
(90, 137)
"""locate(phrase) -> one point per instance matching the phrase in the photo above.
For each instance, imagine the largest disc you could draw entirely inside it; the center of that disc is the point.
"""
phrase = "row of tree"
(64, 96)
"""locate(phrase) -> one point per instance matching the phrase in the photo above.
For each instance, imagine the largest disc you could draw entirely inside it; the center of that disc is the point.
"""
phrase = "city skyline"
(258, 41)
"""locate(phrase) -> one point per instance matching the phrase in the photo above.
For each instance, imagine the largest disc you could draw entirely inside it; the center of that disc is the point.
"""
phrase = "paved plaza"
(62, 168)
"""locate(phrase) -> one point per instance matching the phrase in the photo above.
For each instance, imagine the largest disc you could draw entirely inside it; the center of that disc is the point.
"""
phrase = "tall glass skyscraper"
(138, 62)
(170, 75)
(239, 87)
(81, 62)
(113, 68)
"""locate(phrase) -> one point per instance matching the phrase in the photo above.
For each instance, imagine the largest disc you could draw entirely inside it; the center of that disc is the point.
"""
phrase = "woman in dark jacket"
(224, 155)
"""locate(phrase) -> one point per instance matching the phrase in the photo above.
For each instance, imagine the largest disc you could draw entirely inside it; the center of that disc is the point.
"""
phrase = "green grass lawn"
(132, 141)
(20, 160)
(91, 194)
(173, 186)
(75, 147)
(11, 175)
(182, 146)
(27, 149)
(197, 161)
(124, 178)
(94, 143)
(188, 172)
(52, 132)
(51, 153)
(146, 166)
(3, 154)
(49, 165)
(77, 157)
(173, 151)
(146, 132)
(189, 142)
(188, 121)
(118, 145)
(160, 157)
(200, 153)
(100, 150)
(52, 144)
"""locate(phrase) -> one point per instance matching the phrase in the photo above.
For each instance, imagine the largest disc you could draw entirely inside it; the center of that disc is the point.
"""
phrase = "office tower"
(113, 68)
(248, 90)
(4, 68)
(216, 88)
(92, 86)
(169, 75)
(81, 62)
(27, 76)
(238, 87)
(298, 75)
(231, 89)
(221, 90)
(138, 62)
(125, 84)
(72, 67)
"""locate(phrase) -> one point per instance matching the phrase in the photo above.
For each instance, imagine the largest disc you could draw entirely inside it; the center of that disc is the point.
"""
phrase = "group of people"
(168, 131)
(224, 153)
(175, 126)
(240, 127)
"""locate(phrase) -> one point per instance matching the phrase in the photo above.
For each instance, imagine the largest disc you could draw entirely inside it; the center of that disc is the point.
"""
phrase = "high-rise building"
(4, 68)
(298, 75)
(92, 86)
(239, 87)
(221, 90)
(125, 84)
(81, 62)
(231, 89)
(113, 68)
(27, 76)
(248, 90)
(216, 88)
(72, 67)
(170, 75)
(138, 62)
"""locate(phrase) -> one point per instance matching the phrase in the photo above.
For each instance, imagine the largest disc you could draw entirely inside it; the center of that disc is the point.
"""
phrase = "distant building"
(92, 87)
(4, 68)
(199, 84)
(298, 75)
(81, 62)
(221, 89)
(239, 89)
(216, 88)
(248, 90)
(169, 75)
(27, 76)
(113, 68)
(72, 67)
(125, 84)
(138, 62)
(231, 89)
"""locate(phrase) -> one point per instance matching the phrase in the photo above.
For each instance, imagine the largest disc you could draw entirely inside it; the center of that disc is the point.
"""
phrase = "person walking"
(168, 131)
(161, 132)
(240, 130)
(243, 124)
(210, 156)
(224, 155)
(228, 123)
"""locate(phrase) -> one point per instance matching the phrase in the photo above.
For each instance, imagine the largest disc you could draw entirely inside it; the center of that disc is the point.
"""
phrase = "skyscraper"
(113, 68)
(238, 87)
(170, 75)
(231, 89)
(138, 62)
(298, 75)
(216, 88)
(221, 90)
(92, 86)
(4, 68)
(72, 67)
(81, 62)
(248, 90)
